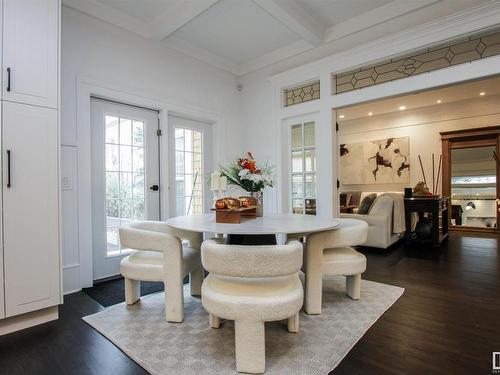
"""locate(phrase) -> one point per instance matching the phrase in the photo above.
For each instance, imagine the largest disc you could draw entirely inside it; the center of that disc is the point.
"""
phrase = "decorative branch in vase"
(251, 176)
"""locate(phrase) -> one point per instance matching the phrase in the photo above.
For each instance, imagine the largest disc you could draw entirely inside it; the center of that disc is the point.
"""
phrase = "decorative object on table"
(230, 210)
(426, 220)
(251, 176)
(421, 188)
(376, 162)
(218, 186)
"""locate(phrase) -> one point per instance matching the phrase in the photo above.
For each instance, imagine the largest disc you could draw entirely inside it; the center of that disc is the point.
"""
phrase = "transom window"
(188, 172)
(125, 190)
(303, 169)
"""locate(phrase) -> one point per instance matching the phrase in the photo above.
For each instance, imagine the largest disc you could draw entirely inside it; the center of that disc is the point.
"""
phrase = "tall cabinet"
(30, 264)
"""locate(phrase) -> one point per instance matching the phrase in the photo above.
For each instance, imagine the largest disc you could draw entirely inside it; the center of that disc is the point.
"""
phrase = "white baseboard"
(27, 320)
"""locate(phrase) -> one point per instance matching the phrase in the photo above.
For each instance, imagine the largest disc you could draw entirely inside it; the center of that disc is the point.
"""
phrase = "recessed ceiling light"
(341, 116)
(402, 108)
(482, 93)
(370, 113)
(438, 101)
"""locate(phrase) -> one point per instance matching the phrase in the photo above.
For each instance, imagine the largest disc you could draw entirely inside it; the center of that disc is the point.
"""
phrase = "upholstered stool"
(160, 255)
(330, 253)
(252, 285)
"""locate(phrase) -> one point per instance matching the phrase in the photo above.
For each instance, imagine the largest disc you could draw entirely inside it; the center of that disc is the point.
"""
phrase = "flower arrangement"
(250, 175)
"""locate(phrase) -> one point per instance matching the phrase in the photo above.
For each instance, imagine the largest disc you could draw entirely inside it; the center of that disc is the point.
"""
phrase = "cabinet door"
(30, 51)
(30, 208)
(2, 297)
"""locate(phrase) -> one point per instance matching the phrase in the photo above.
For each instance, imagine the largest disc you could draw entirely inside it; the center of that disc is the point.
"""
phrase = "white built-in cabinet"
(30, 264)
(30, 51)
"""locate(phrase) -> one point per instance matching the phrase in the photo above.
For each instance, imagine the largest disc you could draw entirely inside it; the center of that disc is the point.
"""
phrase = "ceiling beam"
(176, 16)
(296, 19)
(374, 17)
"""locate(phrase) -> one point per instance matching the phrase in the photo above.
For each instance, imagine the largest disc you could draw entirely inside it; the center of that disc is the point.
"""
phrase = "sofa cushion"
(382, 206)
(366, 203)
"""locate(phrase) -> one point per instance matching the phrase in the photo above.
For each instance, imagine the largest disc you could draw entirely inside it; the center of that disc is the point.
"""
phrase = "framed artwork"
(384, 161)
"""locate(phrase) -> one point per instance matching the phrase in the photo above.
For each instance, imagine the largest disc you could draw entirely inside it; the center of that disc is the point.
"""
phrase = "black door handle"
(8, 168)
(154, 187)
(8, 79)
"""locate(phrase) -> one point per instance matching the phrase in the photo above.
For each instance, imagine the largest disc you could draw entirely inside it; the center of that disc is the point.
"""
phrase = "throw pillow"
(366, 203)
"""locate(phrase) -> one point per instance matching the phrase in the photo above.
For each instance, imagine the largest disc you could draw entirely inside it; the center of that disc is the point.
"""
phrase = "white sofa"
(382, 231)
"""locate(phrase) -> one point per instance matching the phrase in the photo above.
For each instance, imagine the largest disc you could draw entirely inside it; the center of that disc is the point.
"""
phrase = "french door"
(125, 177)
(190, 145)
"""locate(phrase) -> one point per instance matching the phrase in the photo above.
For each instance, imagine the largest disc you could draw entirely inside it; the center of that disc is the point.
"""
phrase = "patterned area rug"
(193, 348)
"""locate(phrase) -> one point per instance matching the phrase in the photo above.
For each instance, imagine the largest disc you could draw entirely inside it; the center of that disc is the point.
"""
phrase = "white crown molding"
(473, 20)
(374, 17)
(180, 45)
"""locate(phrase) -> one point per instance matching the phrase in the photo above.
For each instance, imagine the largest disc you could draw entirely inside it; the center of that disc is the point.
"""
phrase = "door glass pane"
(297, 186)
(297, 161)
(473, 187)
(189, 172)
(298, 206)
(303, 168)
(310, 160)
(309, 134)
(124, 177)
(310, 186)
(297, 135)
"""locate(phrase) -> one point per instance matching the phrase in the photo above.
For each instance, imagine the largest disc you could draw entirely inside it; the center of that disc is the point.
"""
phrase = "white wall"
(116, 58)
(423, 127)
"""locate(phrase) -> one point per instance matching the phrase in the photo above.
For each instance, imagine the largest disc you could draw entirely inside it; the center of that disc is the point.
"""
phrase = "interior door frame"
(487, 136)
(103, 267)
(207, 158)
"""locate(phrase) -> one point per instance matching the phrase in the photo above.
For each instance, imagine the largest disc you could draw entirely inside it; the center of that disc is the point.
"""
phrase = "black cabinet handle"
(8, 79)
(154, 187)
(8, 168)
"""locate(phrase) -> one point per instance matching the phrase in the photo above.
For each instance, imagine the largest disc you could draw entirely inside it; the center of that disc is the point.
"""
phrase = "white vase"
(259, 197)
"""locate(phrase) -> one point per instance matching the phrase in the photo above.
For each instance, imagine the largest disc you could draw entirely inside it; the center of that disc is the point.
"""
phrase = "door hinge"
(158, 132)
(338, 184)
(337, 126)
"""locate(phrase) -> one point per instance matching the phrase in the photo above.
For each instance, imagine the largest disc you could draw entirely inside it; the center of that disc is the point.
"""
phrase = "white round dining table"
(268, 224)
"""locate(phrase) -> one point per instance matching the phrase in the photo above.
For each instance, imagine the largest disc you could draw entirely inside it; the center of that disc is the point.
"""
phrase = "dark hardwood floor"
(446, 322)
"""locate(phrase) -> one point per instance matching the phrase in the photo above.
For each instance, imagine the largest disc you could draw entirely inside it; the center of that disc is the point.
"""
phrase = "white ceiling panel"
(143, 10)
(238, 30)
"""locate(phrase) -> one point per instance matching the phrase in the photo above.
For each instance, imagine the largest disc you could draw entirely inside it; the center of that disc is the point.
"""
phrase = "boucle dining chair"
(252, 285)
(160, 255)
(331, 253)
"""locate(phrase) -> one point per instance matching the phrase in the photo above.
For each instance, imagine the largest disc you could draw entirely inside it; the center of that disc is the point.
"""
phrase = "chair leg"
(132, 291)
(293, 323)
(250, 346)
(214, 321)
(313, 281)
(353, 286)
(195, 281)
(174, 300)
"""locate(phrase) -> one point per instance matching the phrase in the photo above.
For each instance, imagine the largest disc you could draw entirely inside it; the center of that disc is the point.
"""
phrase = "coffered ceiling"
(241, 36)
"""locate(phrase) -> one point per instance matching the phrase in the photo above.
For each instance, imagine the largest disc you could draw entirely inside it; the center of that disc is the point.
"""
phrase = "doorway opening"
(388, 145)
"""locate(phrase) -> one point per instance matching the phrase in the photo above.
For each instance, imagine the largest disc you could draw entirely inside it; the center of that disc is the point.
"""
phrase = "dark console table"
(426, 220)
